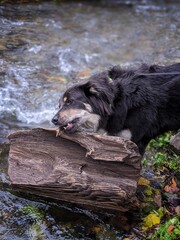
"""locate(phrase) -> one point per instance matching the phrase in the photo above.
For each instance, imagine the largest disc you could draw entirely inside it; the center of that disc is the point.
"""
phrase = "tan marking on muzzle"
(88, 107)
(66, 114)
(86, 118)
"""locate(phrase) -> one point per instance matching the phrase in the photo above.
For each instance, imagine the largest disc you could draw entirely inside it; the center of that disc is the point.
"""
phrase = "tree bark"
(83, 168)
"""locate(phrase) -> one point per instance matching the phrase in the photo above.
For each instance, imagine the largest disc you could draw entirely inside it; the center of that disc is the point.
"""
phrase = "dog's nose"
(55, 120)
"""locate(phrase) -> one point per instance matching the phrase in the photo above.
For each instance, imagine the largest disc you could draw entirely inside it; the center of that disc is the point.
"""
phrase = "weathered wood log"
(83, 168)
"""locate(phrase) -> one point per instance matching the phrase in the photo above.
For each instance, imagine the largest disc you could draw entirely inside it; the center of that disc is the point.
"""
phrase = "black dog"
(136, 104)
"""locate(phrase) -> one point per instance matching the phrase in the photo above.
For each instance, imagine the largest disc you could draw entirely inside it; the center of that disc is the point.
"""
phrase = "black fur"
(142, 100)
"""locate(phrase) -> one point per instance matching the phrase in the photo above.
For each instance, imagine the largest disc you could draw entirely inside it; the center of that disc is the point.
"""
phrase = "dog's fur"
(137, 104)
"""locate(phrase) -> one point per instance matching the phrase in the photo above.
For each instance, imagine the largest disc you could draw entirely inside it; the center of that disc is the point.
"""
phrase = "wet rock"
(175, 143)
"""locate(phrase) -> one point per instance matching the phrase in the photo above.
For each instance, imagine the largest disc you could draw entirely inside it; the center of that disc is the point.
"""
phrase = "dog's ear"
(100, 95)
(89, 89)
(92, 90)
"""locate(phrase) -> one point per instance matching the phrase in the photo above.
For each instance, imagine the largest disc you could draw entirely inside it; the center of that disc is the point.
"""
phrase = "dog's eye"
(68, 101)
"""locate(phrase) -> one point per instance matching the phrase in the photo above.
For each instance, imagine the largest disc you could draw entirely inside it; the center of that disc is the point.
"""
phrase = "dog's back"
(151, 103)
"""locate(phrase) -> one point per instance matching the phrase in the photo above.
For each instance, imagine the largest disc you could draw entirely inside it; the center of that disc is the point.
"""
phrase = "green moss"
(161, 155)
(160, 142)
(166, 159)
(33, 211)
(148, 192)
(169, 230)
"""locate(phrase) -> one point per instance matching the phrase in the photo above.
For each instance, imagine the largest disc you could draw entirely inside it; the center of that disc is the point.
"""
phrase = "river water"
(46, 46)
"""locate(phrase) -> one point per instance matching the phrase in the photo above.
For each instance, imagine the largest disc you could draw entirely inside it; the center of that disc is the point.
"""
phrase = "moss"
(160, 142)
(160, 156)
(33, 211)
(169, 230)
(148, 192)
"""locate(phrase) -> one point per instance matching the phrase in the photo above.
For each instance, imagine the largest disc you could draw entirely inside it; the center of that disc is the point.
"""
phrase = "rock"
(175, 143)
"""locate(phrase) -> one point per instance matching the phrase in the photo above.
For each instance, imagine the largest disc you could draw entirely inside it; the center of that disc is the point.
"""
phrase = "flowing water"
(43, 48)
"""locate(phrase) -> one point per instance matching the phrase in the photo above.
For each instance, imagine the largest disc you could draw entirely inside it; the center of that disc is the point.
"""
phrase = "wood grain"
(83, 168)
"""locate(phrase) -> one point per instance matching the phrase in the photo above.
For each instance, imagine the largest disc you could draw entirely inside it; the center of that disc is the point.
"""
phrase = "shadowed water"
(46, 46)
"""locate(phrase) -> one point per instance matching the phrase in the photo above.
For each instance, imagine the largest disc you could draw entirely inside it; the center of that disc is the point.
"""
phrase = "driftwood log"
(82, 168)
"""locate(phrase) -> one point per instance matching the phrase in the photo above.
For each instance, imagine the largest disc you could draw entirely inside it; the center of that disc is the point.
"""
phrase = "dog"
(137, 104)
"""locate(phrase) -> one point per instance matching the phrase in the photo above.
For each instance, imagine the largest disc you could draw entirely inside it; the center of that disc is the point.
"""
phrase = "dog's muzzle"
(70, 126)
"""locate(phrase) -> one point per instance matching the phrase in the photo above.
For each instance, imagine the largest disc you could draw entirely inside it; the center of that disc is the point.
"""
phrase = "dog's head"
(86, 105)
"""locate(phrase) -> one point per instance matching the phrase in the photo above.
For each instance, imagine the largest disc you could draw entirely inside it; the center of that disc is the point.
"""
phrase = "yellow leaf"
(150, 220)
(97, 229)
(143, 181)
